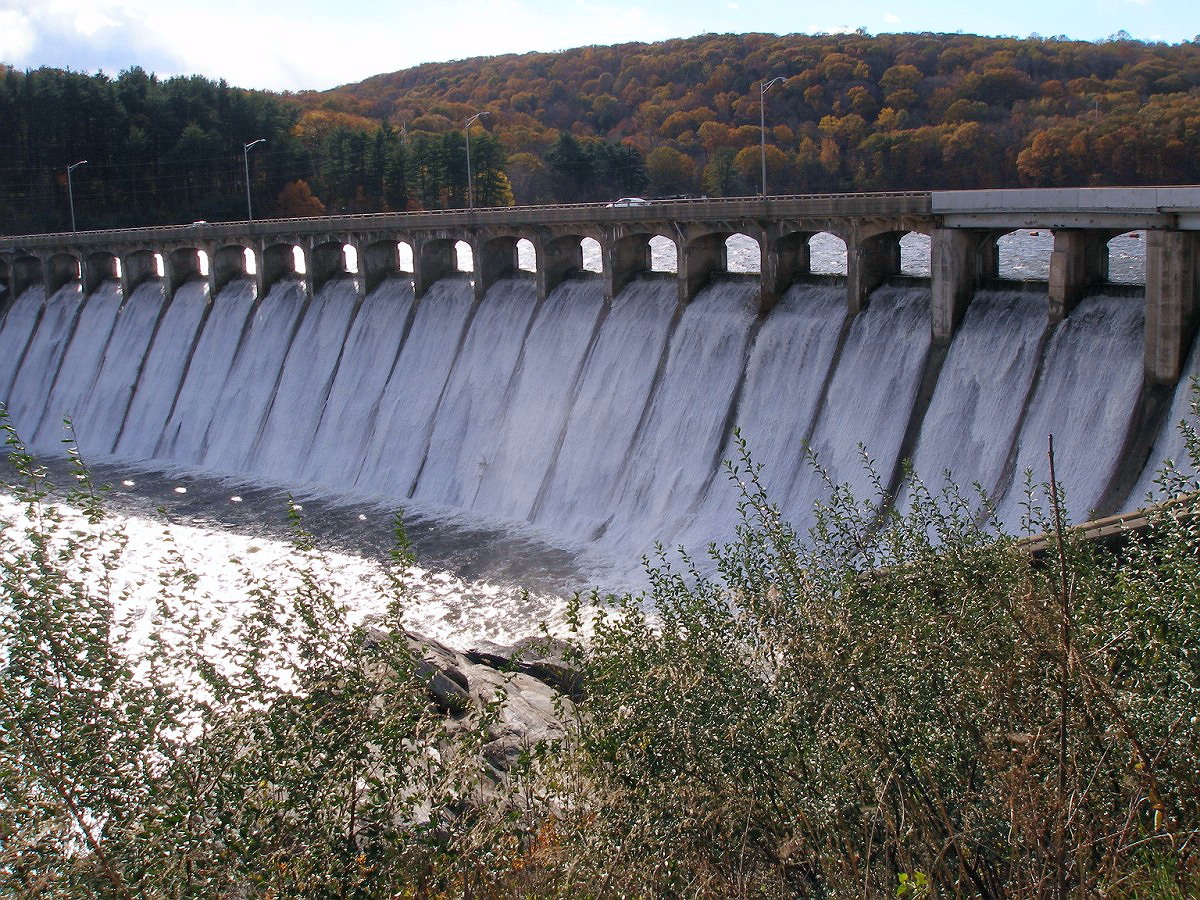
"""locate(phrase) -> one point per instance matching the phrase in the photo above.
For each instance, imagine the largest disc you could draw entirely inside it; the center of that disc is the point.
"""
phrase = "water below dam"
(553, 443)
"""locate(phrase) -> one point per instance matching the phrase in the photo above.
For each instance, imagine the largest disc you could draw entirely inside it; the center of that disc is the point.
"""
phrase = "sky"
(293, 45)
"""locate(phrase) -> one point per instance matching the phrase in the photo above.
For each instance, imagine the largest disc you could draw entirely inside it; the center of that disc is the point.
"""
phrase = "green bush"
(880, 709)
(284, 749)
(897, 704)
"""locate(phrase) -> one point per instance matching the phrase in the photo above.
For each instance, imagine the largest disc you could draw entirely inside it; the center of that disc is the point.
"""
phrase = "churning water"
(554, 442)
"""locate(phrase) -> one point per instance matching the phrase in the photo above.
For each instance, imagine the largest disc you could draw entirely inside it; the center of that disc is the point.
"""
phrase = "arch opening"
(350, 259)
(66, 267)
(251, 265)
(203, 263)
(827, 254)
(593, 258)
(160, 266)
(404, 256)
(464, 259)
(1127, 258)
(526, 256)
(299, 265)
(743, 254)
(664, 254)
(916, 255)
(1024, 254)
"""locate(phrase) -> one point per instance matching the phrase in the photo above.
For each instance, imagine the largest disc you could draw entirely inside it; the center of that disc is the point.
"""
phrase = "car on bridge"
(630, 201)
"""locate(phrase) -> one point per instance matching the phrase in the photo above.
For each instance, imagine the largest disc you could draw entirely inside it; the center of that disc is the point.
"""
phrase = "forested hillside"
(854, 112)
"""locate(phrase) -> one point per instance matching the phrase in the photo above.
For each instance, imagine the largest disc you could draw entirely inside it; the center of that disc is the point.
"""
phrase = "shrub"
(283, 749)
(894, 706)
(902, 703)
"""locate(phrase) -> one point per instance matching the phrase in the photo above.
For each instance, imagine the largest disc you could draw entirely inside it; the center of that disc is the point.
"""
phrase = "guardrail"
(697, 208)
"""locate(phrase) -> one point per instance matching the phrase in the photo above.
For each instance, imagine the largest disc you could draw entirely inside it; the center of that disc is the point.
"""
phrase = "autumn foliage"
(854, 112)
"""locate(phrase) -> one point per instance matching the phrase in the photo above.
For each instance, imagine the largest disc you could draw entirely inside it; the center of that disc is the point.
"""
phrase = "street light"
(70, 191)
(762, 126)
(246, 160)
(467, 134)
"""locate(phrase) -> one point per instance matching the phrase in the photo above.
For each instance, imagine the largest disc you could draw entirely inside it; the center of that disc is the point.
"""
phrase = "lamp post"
(70, 190)
(762, 126)
(467, 135)
(246, 160)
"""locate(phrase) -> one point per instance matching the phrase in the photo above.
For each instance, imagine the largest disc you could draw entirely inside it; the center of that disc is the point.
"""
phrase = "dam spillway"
(594, 421)
(599, 409)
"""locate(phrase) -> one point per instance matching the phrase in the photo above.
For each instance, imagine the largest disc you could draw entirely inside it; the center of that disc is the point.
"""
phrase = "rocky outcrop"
(524, 693)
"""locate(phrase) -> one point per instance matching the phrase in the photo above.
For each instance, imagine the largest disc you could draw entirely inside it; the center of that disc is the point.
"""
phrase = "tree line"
(853, 112)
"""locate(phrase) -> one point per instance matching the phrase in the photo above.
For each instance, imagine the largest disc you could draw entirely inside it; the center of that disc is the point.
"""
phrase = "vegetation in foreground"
(897, 705)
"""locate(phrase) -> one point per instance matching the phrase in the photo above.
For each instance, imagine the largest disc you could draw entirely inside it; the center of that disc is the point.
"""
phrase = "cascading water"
(387, 465)
(588, 420)
(348, 417)
(77, 372)
(869, 400)
(675, 453)
(16, 330)
(1087, 395)
(249, 389)
(304, 384)
(784, 385)
(471, 408)
(183, 438)
(165, 365)
(102, 413)
(976, 408)
(614, 388)
(541, 398)
(26, 400)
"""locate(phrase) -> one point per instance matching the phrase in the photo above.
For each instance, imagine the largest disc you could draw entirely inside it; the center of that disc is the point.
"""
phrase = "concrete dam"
(598, 407)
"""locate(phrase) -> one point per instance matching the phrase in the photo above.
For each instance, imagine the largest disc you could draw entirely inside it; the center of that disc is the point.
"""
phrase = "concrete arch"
(558, 258)
(99, 268)
(434, 258)
(180, 266)
(61, 269)
(225, 264)
(624, 258)
(327, 261)
(276, 262)
(376, 261)
(26, 272)
(784, 257)
(495, 259)
(698, 259)
(138, 267)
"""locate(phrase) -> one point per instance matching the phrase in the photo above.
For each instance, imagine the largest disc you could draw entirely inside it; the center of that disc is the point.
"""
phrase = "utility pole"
(246, 160)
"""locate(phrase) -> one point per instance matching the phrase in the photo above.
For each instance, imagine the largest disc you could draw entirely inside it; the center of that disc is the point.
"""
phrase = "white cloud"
(891, 18)
(92, 17)
(17, 36)
(832, 29)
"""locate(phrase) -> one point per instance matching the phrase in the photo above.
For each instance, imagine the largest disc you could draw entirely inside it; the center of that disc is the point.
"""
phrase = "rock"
(522, 689)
